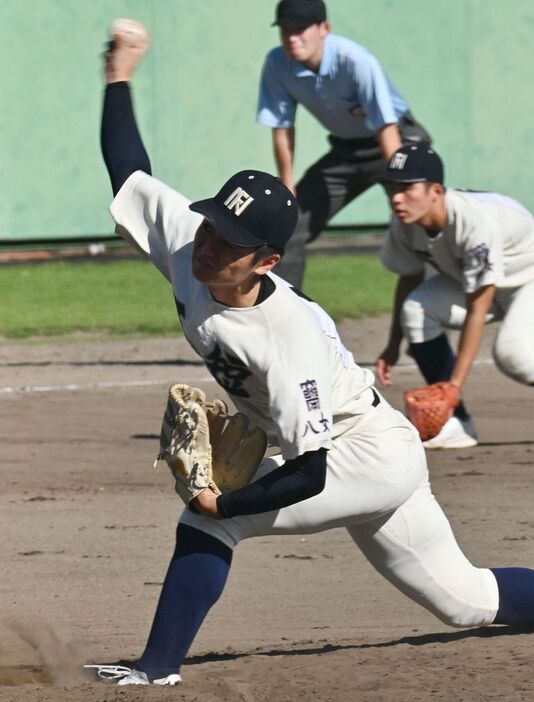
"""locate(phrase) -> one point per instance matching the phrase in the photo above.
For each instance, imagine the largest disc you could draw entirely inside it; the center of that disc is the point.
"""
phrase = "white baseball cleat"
(456, 433)
(123, 675)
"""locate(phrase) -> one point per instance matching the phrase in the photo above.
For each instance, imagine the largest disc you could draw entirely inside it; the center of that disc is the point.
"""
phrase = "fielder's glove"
(204, 446)
(430, 407)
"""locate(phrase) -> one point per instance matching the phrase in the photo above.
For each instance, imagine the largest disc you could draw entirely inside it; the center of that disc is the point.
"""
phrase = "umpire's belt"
(368, 148)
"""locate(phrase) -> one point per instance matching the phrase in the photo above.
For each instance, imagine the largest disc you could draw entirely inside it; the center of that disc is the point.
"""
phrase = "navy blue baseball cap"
(414, 163)
(299, 13)
(251, 209)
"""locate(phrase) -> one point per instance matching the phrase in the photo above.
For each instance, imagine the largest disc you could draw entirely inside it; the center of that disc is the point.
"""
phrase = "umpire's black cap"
(251, 209)
(299, 13)
(414, 163)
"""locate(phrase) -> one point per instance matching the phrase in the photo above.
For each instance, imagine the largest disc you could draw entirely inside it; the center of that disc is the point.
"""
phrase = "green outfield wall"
(465, 66)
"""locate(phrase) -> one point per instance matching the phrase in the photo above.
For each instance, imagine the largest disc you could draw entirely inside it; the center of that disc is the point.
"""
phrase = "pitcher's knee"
(464, 596)
(463, 615)
(460, 619)
(470, 600)
(224, 530)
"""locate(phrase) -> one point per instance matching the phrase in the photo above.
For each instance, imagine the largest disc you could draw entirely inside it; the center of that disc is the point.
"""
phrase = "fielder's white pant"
(439, 303)
(377, 487)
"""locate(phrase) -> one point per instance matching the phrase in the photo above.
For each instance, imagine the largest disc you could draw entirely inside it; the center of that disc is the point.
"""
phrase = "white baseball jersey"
(488, 240)
(281, 361)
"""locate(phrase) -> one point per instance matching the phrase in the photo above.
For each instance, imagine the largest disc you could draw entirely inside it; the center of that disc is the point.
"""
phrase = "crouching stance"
(482, 246)
(346, 457)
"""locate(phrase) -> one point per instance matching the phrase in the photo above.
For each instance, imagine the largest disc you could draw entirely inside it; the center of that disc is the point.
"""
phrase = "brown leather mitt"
(206, 447)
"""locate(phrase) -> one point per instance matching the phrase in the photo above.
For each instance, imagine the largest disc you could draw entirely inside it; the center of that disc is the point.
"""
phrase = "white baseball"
(135, 33)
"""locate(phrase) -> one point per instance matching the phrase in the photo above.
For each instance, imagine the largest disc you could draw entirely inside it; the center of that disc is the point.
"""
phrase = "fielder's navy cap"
(300, 13)
(414, 163)
(253, 208)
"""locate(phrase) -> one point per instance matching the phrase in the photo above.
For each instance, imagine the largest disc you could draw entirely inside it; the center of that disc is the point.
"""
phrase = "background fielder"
(482, 247)
(347, 458)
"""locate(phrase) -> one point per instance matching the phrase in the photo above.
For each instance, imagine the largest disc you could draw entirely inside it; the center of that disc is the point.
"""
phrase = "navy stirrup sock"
(516, 596)
(435, 360)
(194, 582)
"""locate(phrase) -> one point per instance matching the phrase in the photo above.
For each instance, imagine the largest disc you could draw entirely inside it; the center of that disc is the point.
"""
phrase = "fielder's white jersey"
(488, 240)
(281, 360)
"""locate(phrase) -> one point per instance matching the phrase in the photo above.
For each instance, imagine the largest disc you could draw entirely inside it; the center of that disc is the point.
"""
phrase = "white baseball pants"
(439, 303)
(377, 487)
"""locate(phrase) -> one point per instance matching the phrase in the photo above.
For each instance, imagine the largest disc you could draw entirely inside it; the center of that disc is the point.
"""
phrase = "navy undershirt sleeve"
(296, 480)
(122, 147)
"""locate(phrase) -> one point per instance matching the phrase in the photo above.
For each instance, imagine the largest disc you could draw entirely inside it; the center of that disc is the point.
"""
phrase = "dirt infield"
(88, 527)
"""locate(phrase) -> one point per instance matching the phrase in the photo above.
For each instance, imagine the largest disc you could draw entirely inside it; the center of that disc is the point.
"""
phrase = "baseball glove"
(204, 446)
(430, 407)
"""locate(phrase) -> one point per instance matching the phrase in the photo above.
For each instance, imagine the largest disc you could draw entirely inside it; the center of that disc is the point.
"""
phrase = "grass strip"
(132, 297)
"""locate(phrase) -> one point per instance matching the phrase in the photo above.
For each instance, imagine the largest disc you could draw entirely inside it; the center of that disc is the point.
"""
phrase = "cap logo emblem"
(398, 161)
(238, 201)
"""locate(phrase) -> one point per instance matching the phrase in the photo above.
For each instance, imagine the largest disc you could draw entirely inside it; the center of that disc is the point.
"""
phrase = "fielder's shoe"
(124, 675)
(455, 433)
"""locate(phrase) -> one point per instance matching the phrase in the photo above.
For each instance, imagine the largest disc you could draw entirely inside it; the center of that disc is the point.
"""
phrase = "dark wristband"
(220, 507)
(296, 480)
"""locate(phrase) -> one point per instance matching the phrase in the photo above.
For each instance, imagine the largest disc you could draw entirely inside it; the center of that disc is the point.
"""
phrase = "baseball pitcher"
(345, 457)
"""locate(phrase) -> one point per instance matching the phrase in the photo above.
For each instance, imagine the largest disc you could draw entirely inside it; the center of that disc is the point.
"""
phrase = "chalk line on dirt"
(25, 389)
(75, 387)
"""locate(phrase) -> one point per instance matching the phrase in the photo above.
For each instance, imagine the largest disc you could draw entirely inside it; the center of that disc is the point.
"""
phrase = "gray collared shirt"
(350, 95)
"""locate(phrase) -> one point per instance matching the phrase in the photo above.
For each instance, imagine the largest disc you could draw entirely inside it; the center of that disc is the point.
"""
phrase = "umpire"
(345, 88)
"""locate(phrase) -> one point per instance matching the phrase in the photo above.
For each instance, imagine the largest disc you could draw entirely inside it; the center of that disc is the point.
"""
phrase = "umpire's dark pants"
(346, 171)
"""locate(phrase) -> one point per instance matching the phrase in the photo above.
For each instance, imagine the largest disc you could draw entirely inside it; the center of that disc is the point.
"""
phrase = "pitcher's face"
(217, 262)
